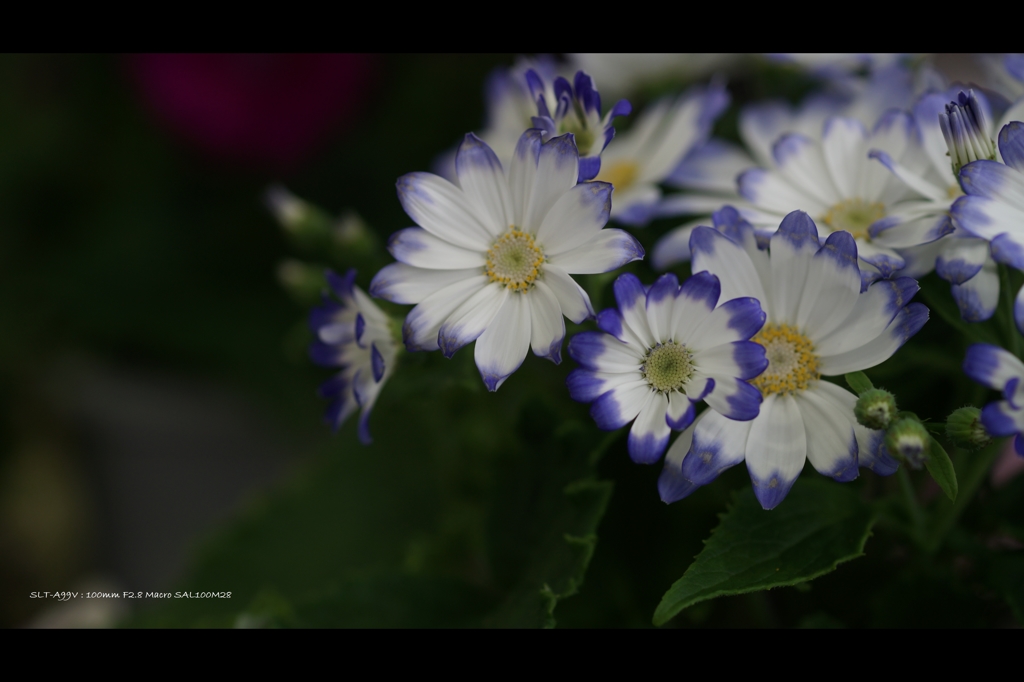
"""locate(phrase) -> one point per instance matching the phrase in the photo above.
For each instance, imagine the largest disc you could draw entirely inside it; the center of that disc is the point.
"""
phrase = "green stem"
(914, 511)
(980, 465)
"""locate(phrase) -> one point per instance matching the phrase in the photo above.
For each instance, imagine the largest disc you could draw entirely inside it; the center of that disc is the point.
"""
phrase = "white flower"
(668, 349)
(819, 324)
(960, 258)
(644, 156)
(994, 206)
(491, 259)
(353, 334)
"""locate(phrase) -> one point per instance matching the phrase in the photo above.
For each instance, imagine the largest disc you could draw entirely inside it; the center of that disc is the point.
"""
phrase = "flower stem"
(914, 511)
(980, 465)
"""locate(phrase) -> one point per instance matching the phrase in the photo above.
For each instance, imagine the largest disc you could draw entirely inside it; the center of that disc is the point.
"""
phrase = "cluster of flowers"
(805, 245)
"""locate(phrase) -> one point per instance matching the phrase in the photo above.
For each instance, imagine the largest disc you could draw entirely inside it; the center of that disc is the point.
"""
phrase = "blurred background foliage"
(159, 427)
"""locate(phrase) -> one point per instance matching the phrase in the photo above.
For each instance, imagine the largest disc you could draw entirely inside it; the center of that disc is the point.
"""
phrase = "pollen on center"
(792, 362)
(855, 216)
(514, 260)
(668, 366)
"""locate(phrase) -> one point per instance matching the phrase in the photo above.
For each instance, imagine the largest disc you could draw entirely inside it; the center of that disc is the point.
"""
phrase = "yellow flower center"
(855, 216)
(668, 366)
(514, 260)
(620, 174)
(792, 363)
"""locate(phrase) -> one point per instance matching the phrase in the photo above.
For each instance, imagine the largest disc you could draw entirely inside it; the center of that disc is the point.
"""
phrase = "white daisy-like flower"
(492, 258)
(1002, 371)
(994, 206)
(709, 173)
(353, 334)
(663, 351)
(818, 324)
(660, 139)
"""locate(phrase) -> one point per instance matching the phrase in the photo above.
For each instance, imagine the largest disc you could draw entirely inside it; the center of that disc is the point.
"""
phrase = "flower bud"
(297, 216)
(964, 428)
(908, 440)
(967, 131)
(875, 409)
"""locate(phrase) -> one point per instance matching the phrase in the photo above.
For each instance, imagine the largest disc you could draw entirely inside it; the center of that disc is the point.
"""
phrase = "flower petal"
(575, 218)
(832, 286)
(470, 319)
(574, 301)
(501, 348)
(415, 246)
(556, 172)
(740, 359)
(423, 322)
(873, 312)
(632, 302)
(660, 302)
(483, 181)
(831, 441)
(696, 298)
(791, 250)
(776, 449)
(991, 365)
(401, 283)
(713, 252)
(718, 443)
(443, 210)
(608, 250)
(907, 323)
(547, 324)
(735, 320)
(620, 405)
(733, 398)
(977, 297)
(649, 436)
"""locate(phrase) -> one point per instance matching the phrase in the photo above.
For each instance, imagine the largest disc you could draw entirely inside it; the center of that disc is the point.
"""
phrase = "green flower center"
(514, 260)
(668, 366)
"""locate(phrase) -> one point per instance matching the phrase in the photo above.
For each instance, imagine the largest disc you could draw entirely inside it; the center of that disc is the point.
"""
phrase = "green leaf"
(819, 525)
(859, 382)
(941, 469)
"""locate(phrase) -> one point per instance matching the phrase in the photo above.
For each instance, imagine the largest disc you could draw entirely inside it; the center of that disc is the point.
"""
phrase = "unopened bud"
(297, 216)
(964, 428)
(908, 440)
(353, 236)
(967, 131)
(875, 409)
(301, 280)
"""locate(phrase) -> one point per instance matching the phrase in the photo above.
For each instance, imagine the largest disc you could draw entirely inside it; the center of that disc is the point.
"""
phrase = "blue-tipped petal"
(325, 355)
(377, 363)
(956, 270)
(876, 457)
(1009, 251)
(735, 399)
(621, 108)
(718, 444)
(334, 386)
(998, 419)
(619, 406)
(360, 328)
(1011, 145)
(1018, 310)
(686, 418)
(1018, 444)
(590, 166)
(735, 320)
(602, 352)
(1010, 391)
(978, 297)
(341, 286)
(991, 365)
(585, 386)
(703, 289)
(364, 427)
(989, 179)
(610, 320)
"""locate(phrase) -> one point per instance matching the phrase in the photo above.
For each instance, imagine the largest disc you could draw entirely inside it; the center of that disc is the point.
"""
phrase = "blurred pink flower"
(1008, 465)
(269, 109)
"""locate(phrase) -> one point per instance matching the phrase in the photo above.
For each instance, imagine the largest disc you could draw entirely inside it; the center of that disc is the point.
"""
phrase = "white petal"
(415, 246)
(831, 441)
(844, 147)
(799, 160)
(401, 283)
(719, 255)
(575, 218)
(571, 297)
(470, 319)
(501, 349)
(548, 327)
(483, 180)
(443, 209)
(649, 436)
(557, 169)
(423, 322)
(776, 449)
(607, 250)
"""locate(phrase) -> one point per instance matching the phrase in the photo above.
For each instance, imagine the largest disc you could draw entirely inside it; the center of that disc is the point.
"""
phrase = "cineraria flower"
(668, 349)
(959, 257)
(658, 142)
(994, 206)
(819, 323)
(710, 175)
(353, 334)
(491, 259)
(999, 370)
(833, 178)
(577, 110)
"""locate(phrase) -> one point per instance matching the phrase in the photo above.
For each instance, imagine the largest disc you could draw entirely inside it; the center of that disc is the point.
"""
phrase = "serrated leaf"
(941, 469)
(819, 525)
(859, 382)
